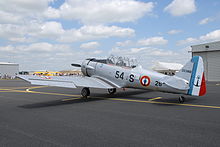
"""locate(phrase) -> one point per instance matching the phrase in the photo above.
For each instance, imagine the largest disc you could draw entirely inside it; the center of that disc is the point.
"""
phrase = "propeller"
(76, 65)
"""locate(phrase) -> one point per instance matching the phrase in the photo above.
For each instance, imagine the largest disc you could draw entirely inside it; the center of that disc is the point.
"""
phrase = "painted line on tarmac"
(48, 93)
(151, 102)
(35, 87)
(5, 91)
(17, 88)
(13, 90)
(118, 99)
(166, 103)
(156, 98)
(14, 87)
(71, 99)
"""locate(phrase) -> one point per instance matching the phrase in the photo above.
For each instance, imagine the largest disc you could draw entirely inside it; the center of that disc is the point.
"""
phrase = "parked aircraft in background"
(118, 72)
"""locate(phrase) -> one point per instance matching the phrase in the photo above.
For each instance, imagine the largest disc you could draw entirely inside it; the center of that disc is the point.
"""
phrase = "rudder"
(193, 72)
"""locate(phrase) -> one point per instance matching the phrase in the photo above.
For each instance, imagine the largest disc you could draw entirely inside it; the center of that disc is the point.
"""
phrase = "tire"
(85, 92)
(181, 99)
(112, 90)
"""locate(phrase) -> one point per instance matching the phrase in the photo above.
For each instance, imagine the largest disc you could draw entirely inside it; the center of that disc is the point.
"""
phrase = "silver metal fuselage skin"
(127, 77)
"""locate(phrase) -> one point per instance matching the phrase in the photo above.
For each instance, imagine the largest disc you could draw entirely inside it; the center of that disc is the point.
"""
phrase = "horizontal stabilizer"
(175, 82)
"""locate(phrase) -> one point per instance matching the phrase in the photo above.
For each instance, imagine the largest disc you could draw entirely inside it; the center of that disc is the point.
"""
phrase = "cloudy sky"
(52, 34)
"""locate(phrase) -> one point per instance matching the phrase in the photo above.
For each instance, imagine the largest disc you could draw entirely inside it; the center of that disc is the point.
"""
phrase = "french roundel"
(145, 80)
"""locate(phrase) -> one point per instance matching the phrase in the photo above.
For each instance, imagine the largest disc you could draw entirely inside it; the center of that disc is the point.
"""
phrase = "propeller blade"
(76, 65)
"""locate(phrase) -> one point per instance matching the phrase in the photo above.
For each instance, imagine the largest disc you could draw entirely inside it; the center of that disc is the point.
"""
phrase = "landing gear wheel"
(112, 90)
(181, 99)
(85, 92)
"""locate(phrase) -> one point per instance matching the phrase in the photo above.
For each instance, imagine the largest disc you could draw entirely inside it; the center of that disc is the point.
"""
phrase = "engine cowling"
(88, 67)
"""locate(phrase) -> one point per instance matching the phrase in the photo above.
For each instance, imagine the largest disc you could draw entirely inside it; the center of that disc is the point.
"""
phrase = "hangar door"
(211, 64)
(213, 60)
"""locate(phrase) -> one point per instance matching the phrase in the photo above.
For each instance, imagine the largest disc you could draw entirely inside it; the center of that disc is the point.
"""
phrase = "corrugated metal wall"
(210, 53)
(9, 69)
(213, 60)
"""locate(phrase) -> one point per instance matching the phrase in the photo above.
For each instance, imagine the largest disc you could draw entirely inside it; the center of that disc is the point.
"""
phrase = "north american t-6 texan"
(118, 72)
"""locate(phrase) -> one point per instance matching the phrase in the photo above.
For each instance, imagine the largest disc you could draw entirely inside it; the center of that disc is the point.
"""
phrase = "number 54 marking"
(121, 76)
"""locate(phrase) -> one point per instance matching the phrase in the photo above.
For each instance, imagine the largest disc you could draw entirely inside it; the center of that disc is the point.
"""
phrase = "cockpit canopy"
(118, 61)
(122, 61)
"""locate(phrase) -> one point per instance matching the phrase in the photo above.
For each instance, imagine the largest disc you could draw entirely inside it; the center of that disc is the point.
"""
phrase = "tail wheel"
(85, 92)
(112, 90)
(181, 99)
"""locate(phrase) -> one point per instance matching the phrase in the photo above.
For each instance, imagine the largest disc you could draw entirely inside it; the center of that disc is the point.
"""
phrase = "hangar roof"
(206, 47)
(7, 63)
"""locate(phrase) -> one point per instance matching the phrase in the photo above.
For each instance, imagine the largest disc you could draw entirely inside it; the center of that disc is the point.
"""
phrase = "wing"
(68, 81)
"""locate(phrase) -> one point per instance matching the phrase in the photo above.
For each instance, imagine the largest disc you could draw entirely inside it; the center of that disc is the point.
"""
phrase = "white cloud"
(10, 30)
(90, 45)
(21, 39)
(96, 52)
(52, 13)
(147, 56)
(51, 29)
(95, 32)
(8, 48)
(205, 21)
(181, 7)
(173, 32)
(104, 11)
(189, 40)
(31, 31)
(9, 18)
(40, 47)
(211, 36)
(143, 51)
(23, 6)
(153, 41)
(124, 43)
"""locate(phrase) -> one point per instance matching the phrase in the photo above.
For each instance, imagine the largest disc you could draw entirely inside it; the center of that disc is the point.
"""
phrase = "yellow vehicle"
(47, 73)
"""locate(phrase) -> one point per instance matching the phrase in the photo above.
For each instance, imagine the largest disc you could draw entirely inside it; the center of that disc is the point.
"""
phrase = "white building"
(8, 70)
(210, 52)
(167, 68)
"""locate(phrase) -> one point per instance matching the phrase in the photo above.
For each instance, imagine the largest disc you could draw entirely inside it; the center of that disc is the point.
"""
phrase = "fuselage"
(127, 77)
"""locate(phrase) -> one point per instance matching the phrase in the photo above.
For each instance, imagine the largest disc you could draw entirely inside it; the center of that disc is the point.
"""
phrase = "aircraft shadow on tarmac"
(58, 103)
(120, 94)
(98, 97)
(92, 98)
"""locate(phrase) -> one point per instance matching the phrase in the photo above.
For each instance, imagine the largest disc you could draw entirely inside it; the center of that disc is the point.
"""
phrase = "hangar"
(8, 70)
(210, 52)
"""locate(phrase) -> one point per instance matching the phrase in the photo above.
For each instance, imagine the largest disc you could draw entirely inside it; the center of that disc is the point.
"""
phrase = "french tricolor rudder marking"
(197, 81)
(203, 86)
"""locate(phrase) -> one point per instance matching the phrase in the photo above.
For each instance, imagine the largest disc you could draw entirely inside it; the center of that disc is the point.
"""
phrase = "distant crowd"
(6, 76)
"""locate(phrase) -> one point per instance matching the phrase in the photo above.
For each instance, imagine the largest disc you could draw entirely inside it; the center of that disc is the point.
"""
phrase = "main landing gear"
(112, 90)
(85, 92)
(181, 99)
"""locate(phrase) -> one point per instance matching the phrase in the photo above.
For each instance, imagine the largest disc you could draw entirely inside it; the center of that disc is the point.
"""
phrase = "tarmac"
(32, 115)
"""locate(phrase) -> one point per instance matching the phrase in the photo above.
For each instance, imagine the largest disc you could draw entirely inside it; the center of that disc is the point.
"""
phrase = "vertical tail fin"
(193, 71)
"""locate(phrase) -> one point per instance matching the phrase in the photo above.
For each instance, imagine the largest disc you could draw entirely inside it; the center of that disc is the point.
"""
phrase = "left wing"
(68, 81)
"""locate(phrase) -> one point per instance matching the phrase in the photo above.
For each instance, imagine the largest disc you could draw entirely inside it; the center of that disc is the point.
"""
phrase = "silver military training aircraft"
(118, 72)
